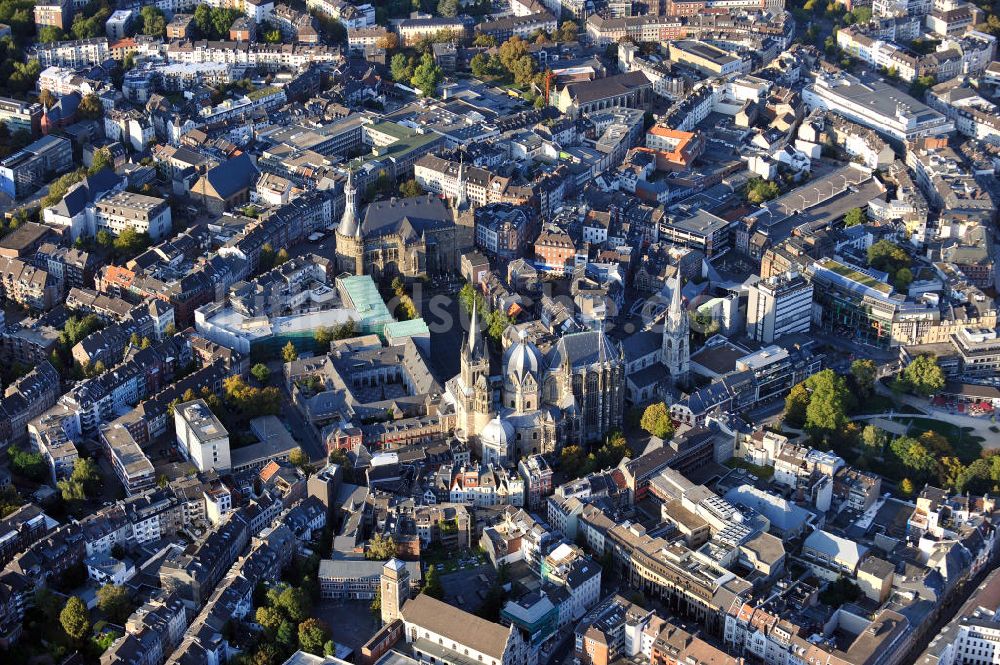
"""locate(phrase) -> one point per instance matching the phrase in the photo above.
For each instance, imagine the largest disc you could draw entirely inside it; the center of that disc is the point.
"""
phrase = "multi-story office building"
(201, 436)
(26, 170)
(777, 306)
(18, 115)
(855, 303)
(876, 105)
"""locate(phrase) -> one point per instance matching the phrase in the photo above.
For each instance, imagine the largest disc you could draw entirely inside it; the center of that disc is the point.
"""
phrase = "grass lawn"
(764, 472)
(876, 404)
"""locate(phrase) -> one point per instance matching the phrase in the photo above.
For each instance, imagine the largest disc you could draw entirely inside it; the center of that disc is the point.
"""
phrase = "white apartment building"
(125, 210)
(201, 437)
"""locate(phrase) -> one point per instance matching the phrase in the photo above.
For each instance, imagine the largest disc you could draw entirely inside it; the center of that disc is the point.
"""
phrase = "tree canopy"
(656, 420)
(923, 376)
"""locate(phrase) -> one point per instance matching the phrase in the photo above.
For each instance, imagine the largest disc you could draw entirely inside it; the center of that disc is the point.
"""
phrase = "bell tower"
(394, 585)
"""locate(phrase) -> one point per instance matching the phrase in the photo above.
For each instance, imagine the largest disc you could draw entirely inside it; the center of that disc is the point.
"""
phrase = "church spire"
(460, 199)
(473, 329)
(348, 223)
(676, 345)
(675, 311)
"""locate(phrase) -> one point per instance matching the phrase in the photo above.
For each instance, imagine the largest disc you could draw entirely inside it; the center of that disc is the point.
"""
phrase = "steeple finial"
(473, 332)
(675, 298)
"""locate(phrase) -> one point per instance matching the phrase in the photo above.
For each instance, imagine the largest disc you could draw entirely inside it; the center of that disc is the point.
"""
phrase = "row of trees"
(576, 462)
(821, 403)
(284, 616)
(929, 457)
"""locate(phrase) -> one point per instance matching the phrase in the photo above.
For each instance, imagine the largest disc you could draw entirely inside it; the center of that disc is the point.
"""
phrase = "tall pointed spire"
(675, 299)
(473, 328)
(348, 223)
(460, 199)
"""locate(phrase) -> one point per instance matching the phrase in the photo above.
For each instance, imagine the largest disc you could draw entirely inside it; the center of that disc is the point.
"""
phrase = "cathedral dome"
(497, 434)
(522, 358)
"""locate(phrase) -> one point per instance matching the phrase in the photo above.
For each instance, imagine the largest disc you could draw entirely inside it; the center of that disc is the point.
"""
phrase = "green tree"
(31, 465)
(862, 14)
(261, 372)
(381, 548)
(49, 33)
(976, 478)
(448, 8)
(131, 242)
(299, 458)
(288, 353)
(46, 98)
(115, 602)
(410, 188)
(432, 584)
(759, 190)
(921, 84)
(854, 217)
(924, 376)
(863, 373)
(828, 399)
(874, 438)
(903, 279)
(426, 76)
(613, 451)
(906, 487)
(269, 618)
(484, 41)
(656, 420)
(912, 455)
(154, 23)
(323, 337)
(294, 603)
(285, 635)
(497, 322)
(75, 620)
(100, 161)
(281, 257)
(85, 471)
(24, 75)
(479, 65)
(313, 634)
(796, 404)
(401, 68)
